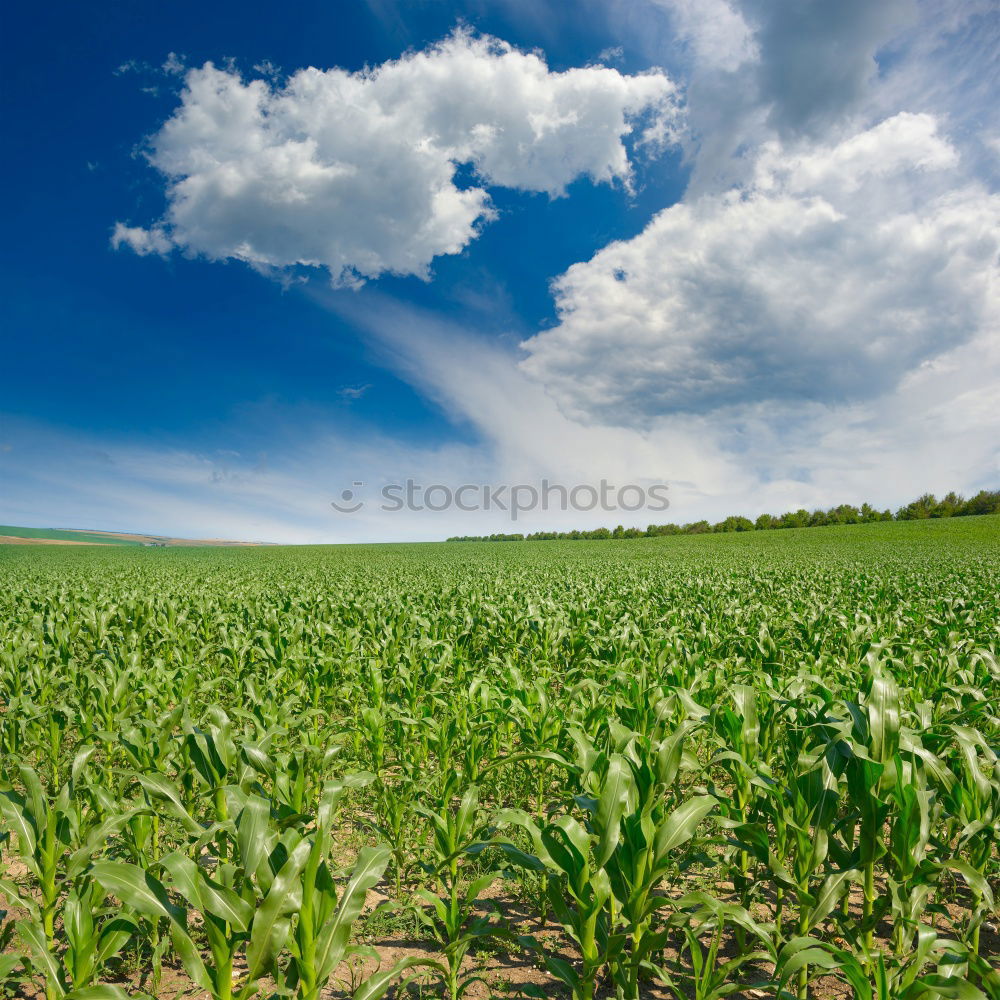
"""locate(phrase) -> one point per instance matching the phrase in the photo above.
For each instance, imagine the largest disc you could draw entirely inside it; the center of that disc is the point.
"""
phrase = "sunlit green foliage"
(712, 761)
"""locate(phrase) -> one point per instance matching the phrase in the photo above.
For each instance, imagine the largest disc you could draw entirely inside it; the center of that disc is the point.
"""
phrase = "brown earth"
(17, 540)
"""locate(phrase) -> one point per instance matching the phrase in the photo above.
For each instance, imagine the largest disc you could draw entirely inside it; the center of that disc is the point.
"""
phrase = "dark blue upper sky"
(115, 343)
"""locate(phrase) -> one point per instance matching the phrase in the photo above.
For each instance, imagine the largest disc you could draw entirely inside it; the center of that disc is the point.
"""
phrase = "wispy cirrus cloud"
(349, 393)
(807, 70)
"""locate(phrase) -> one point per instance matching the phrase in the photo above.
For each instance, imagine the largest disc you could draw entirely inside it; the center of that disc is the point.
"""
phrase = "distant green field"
(62, 535)
(771, 755)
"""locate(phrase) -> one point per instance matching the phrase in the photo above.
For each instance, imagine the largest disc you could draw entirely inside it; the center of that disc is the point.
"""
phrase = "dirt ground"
(17, 540)
(504, 968)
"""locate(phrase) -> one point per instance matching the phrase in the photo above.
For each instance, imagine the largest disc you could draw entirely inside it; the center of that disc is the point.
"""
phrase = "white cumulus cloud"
(831, 275)
(356, 172)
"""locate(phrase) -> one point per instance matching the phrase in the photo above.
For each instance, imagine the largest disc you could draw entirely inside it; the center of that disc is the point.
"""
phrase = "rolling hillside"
(14, 535)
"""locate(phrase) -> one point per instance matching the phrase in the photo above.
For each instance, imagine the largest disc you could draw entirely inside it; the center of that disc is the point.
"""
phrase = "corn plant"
(56, 840)
(934, 969)
(707, 976)
(322, 919)
(564, 848)
(395, 816)
(457, 833)
(610, 869)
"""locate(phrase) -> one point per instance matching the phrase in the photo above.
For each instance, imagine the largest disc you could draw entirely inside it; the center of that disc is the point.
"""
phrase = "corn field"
(745, 765)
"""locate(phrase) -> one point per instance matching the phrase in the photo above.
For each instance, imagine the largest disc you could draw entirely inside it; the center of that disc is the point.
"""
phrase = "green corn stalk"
(612, 868)
(638, 837)
(395, 811)
(320, 936)
(150, 750)
(974, 800)
(936, 968)
(213, 754)
(457, 833)
(738, 732)
(792, 838)
(232, 924)
(94, 934)
(911, 875)
(698, 916)
(321, 926)
(56, 843)
(564, 848)
(248, 899)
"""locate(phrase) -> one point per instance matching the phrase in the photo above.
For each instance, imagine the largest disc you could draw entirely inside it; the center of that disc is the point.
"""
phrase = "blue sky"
(745, 249)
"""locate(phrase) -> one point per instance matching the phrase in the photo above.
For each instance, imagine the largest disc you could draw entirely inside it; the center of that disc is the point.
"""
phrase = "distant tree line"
(926, 506)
